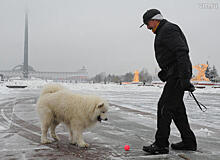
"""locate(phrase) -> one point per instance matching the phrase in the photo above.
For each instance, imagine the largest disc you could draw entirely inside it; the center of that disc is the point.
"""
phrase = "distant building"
(80, 75)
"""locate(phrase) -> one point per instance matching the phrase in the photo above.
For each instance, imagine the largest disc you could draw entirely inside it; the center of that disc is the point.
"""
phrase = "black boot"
(154, 149)
(184, 146)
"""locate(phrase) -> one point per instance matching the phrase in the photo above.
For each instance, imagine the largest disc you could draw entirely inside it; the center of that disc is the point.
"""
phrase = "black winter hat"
(149, 14)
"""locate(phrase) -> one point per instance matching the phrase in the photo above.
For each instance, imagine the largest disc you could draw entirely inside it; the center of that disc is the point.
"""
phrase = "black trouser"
(171, 107)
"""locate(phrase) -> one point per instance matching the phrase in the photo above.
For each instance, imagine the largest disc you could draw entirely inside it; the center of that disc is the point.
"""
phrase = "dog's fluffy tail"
(51, 88)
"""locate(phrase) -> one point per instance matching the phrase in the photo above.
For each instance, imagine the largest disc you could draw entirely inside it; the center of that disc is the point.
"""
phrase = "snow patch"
(2, 128)
(203, 132)
(113, 108)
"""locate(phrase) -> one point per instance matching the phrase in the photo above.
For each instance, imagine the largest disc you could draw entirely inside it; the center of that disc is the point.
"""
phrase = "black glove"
(162, 75)
(185, 85)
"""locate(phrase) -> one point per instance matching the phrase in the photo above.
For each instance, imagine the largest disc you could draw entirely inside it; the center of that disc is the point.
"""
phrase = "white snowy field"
(145, 98)
(131, 104)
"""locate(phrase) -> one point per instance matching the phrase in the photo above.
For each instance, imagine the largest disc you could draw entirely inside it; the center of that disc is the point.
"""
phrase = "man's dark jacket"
(172, 52)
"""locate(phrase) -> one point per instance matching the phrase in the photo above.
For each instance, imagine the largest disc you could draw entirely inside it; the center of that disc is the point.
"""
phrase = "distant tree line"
(144, 76)
(212, 73)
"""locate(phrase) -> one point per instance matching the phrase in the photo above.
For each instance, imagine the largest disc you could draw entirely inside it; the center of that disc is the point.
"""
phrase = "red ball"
(127, 147)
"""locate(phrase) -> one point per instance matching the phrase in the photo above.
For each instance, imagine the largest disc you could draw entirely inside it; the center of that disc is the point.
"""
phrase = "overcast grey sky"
(103, 35)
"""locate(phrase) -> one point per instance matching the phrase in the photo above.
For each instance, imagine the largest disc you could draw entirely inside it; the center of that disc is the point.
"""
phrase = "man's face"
(151, 24)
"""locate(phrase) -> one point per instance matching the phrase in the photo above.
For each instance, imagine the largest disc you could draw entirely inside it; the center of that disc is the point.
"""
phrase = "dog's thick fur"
(57, 104)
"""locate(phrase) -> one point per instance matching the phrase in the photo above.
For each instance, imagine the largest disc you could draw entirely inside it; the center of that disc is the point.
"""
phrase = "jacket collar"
(155, 28)
(162, 22)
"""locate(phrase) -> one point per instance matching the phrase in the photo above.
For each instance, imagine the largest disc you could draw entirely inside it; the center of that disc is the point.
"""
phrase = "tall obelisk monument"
(25, 66)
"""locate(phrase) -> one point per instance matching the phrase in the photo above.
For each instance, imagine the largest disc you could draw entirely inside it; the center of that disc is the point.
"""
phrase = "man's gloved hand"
(185, 85)
(162, 75)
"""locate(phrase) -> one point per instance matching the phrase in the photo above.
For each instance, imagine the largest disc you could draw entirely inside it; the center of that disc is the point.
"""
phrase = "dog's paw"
(56, 138)
(45, 141)
(83, 145)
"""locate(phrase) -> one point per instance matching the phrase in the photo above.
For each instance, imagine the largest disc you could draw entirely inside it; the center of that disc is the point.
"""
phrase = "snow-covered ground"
(132, 103)
(145, 98)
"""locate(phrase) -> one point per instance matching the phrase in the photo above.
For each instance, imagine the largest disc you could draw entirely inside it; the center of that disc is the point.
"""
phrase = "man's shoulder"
(169, 26)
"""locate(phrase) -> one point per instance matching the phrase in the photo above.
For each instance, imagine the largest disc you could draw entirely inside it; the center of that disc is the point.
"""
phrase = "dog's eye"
(103, 111)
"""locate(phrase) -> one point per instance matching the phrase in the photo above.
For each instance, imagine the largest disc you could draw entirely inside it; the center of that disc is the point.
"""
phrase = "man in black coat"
(172, 55)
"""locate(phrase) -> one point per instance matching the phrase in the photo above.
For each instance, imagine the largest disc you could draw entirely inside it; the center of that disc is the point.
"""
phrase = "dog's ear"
(100, 105)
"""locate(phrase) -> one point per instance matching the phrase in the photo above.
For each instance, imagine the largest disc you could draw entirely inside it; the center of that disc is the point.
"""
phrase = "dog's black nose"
(106, 119)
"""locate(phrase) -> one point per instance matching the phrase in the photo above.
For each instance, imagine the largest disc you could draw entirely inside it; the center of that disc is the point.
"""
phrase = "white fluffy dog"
(57, 104)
